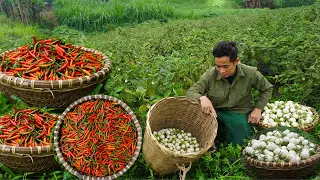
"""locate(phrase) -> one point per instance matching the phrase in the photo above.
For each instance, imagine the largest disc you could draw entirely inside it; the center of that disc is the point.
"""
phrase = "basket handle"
(183, 170)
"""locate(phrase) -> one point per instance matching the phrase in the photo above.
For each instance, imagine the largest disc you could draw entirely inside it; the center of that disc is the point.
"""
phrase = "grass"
(13, 34)
(79, 14)
(98, 15)
(200, 8)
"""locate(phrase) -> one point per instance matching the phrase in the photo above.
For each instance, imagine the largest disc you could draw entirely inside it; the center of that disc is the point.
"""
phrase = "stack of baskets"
(280, 169)
(56, 94)
(296, 169)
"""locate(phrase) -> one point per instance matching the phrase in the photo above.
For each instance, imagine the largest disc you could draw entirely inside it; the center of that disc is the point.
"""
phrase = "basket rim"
(284, 165)
(307, 127)
(47, 90)
(84, 99)
(31, 150)
(58, 84)
(162, 147)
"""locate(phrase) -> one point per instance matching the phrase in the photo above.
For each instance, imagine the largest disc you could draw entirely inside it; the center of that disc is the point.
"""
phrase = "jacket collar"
(239, 72)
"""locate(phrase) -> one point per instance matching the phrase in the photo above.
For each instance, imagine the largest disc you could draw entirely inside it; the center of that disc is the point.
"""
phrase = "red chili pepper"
(19, 128)
(48, 55)
(34, 40)
(64, 66)
(94, 132)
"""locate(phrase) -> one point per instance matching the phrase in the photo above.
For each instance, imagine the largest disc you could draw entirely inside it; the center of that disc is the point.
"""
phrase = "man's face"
(225, 67)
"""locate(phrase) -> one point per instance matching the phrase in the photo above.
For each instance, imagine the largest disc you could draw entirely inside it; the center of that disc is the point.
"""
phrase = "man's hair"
(226, 49)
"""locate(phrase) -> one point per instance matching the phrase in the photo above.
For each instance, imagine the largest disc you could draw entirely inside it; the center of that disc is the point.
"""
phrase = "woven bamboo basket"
(283, 170)
(59, 125)
(28, 159)
(184, 114)
(57, 93)
(308, 128)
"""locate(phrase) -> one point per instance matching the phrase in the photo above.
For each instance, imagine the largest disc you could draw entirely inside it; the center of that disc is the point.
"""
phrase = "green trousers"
(232, 127)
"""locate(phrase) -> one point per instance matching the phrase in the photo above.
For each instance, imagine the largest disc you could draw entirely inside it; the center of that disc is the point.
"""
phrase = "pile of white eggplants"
(280, 146)
(177, 140)
(288, 113)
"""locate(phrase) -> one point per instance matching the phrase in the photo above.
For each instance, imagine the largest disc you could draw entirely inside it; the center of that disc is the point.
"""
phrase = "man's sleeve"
(265, 89)
(199, 88)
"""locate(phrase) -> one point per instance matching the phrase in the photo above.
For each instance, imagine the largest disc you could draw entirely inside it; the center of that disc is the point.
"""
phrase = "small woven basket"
(28, 159)
(184, 114)
(308, 128)
(59, 125)
(57, 93)
(283, 170)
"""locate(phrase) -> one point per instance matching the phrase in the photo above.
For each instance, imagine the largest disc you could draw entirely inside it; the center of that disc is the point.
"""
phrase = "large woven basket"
(283, 170)
(28, 159)
(184, 114)
(59, 125)
(57, 93)
(308, 128)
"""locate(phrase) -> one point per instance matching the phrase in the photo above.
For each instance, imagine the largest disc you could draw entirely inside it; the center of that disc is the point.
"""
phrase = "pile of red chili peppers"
(50, 59)
(98, 138)
(27, 127)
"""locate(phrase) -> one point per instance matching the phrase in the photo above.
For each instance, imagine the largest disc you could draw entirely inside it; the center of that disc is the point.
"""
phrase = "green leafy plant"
(153, 60)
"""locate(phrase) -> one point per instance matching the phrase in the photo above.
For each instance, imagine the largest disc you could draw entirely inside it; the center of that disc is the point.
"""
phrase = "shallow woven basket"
(284, 170)
(59, 125)
(58, 93)
(184, 114)
(28, 159)
(308, 128)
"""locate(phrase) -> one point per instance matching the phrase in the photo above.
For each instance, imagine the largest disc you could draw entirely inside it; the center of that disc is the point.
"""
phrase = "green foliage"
(164, 58)
(240, 3)
(7, 170)
(98, 15)
(153, 60)
(26, 11)
(292, 3)
(108, 15)
(226, 163)
(313, 14)
(7, 107)
(14, 34)
(274, 3)
(69, 35)
(290, 59)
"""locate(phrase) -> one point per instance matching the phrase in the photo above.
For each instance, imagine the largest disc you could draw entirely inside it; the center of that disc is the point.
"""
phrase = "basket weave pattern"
(282, 170)
(57, 93)
(59, 125)
(273, 170)
(184, 114)
(28, 159)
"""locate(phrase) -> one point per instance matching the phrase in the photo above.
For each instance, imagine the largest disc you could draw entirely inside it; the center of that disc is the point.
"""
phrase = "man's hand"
(207, 106)
(255, 116)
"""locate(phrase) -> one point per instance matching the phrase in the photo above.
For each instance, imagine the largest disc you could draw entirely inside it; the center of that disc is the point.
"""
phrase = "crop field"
(160, 48)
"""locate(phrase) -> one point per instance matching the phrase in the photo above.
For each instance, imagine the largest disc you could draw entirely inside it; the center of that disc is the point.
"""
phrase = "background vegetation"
(167, 45)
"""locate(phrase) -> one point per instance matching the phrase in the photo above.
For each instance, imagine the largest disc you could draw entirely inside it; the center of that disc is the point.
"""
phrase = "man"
(224, 92)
